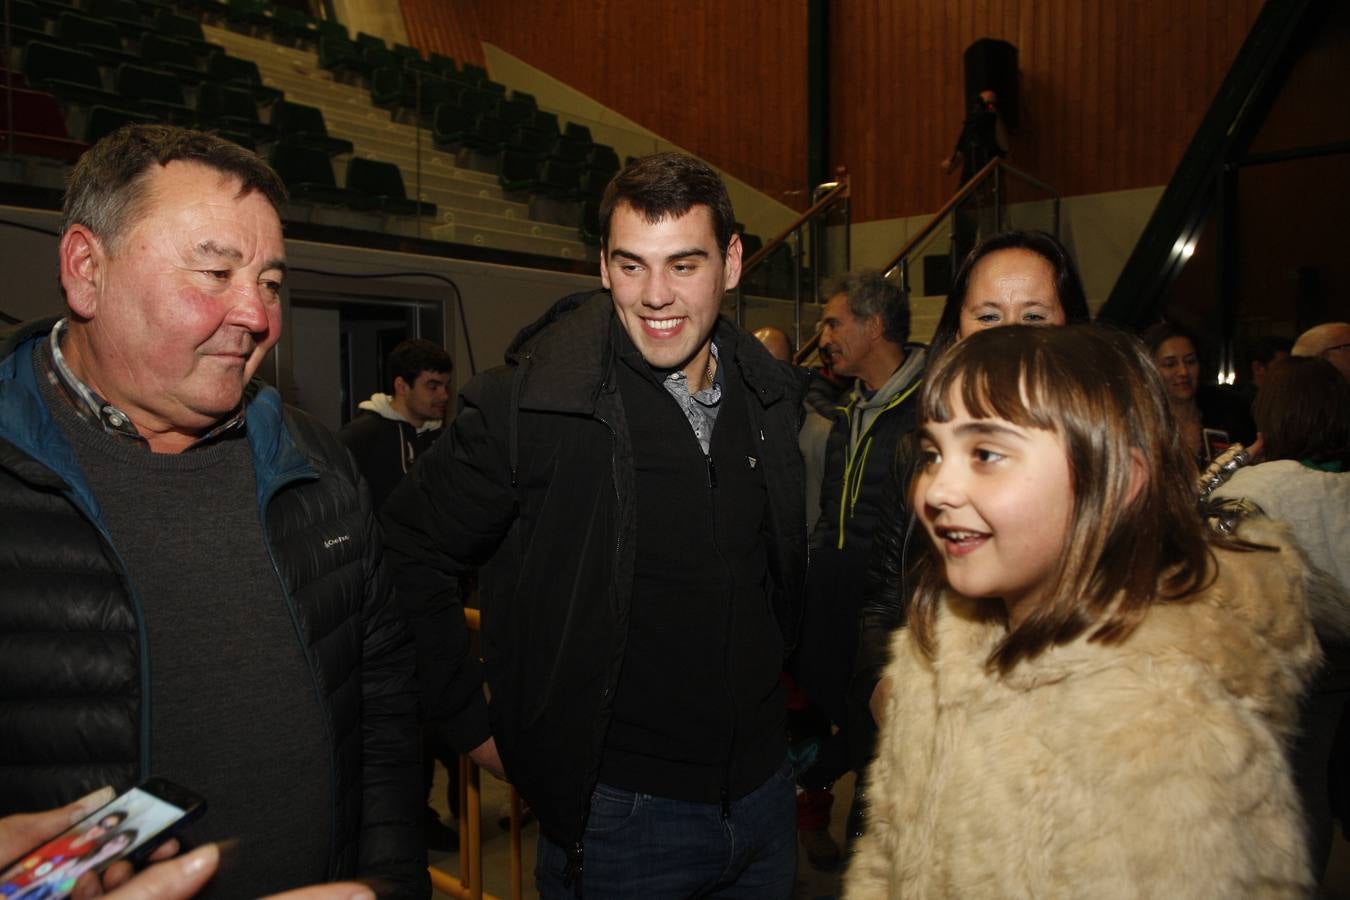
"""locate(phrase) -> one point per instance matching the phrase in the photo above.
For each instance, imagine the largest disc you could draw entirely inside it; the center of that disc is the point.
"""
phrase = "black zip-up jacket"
(75, 704)
(534, 481)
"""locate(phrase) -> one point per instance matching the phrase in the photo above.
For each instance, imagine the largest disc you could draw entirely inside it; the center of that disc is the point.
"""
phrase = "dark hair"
(107, 185)
(1160, 333)
(1098, 390)
(1265, 349)
(118, 816)
(413, 357)
(1068, 285)
(870, 294)
(669, 185)
(1303, 411)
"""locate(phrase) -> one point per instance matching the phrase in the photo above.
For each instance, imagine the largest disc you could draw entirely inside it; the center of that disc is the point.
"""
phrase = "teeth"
(663, 324)
(960, 535)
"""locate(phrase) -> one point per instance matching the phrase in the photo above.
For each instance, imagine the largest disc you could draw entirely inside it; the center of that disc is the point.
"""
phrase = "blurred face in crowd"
(1011, 287)
(173, 318)
(426, 398)
(1180, 367)
(667, 279)
(845, 337)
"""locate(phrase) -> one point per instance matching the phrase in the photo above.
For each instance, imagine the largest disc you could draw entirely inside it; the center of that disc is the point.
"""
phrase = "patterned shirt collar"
(700, 407)
(97, 411)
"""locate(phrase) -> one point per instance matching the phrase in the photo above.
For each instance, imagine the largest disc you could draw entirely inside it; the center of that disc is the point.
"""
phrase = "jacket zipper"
(856, 460)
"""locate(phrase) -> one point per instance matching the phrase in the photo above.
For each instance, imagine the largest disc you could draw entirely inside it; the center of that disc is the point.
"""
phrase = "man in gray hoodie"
(864, 328)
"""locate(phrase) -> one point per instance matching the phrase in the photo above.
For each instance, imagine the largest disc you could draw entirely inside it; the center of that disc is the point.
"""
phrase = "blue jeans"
(653, 848)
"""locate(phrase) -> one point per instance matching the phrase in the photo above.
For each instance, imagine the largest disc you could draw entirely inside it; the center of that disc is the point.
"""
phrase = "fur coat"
(1153, 768)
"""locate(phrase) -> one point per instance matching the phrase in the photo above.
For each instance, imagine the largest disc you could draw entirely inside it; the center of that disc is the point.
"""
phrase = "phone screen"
(103, 837)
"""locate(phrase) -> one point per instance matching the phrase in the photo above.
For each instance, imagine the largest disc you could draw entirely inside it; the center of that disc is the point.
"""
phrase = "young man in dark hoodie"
(392, 430)
(631, 486)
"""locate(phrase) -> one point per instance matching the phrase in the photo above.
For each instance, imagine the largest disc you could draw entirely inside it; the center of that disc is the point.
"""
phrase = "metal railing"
(468, 885)
(804, 241)
(992, 175)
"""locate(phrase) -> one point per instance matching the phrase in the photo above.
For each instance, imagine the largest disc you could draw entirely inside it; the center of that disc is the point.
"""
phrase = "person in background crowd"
(1263, 354)
(1093, 690)
(632, 482)
(1303, 414)
(776, 341)
(386, 437)
(1330, 340)
(865, 330)
(982, 138)
(1210, 419)
(1013, 278)
(393, 429)
(192, 578)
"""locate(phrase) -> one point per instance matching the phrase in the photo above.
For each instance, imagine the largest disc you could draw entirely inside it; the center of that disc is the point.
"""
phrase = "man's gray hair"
(870, 294)
(107, 186)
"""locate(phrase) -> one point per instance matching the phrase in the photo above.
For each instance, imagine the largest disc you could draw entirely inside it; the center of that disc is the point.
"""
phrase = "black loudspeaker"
(992, 65)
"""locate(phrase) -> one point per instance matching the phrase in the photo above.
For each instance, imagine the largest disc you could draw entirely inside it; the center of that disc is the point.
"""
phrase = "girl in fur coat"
(1093, 692)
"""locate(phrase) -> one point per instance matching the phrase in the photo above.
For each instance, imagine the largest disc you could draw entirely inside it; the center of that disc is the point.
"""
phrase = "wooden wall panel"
(1111, 92)
(725, 80)
(449, 28)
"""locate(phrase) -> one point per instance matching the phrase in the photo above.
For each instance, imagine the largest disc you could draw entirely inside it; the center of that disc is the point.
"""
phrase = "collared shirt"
(96, 411)
(700, 407)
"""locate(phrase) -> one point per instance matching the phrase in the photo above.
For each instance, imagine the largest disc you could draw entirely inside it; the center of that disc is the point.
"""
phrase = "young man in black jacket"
(630, 484)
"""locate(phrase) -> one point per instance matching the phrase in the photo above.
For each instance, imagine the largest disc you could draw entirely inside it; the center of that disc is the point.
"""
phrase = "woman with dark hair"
(1208, 419)
(1013, 278)
(1303, 415)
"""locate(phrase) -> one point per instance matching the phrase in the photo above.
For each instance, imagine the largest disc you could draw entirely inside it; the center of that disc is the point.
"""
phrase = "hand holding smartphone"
(128, 827)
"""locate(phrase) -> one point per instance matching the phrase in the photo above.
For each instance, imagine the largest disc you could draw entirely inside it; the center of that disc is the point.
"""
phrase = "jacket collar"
(40, 452)
(45, 456)
(565, 357)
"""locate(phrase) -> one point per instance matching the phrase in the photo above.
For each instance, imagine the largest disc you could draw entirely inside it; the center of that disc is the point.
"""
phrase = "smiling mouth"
(960, 541)
(663, 327)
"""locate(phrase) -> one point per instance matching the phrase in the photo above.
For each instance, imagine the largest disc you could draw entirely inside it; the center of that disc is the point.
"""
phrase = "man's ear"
(873, 327)
(731, 267)
(1138, 475)
(604, 266)
(81, 259)
(401, 386)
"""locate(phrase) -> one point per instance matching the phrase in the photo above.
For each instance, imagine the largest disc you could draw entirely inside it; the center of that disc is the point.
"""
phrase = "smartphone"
(129, 826)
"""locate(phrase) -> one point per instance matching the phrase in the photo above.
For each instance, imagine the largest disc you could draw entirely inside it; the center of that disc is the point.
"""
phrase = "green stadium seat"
(408, 53)
(522, 97)
(307, 173)
(364, 40)
(104, 120)
(578, 133)
(382, 184)
(293, 27)
(173, 56)
(243, 73)
(157, 93)
(588, 223)
(124, 14)
(513, 114)
(603, 158)
(559, 179)
(339, 55)
(299, 123)
(518, 171)
(593, 183)
(103, 39)
(232, 109)
(544, 121)
(184, 28)
(72, 75)
(568, 151)
(26, 23)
